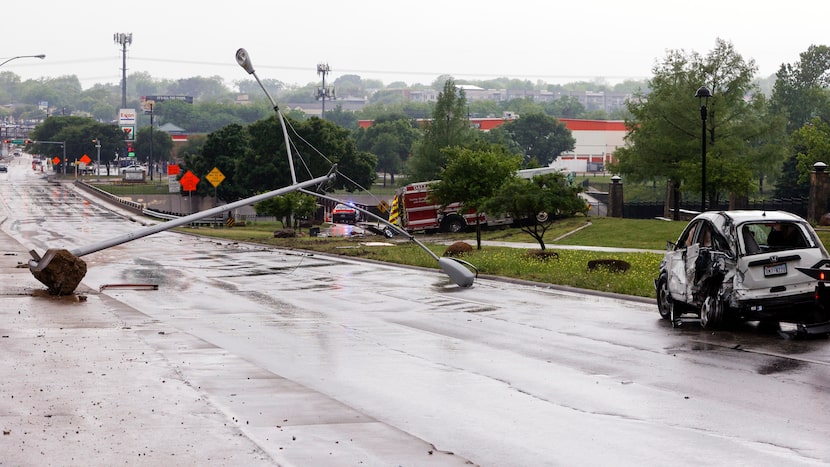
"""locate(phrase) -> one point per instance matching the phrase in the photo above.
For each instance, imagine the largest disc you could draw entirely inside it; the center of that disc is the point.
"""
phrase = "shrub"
(458, 249)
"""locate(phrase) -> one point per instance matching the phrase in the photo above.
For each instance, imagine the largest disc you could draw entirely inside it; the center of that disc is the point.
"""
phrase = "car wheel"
(711, 313)
(453, 225)
(665, 304)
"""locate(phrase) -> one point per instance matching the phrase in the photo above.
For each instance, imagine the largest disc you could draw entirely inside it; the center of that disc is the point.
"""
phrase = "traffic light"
(7, 141)
(28, 141)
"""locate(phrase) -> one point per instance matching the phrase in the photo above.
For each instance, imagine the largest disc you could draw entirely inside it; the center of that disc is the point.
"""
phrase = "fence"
(650, 210)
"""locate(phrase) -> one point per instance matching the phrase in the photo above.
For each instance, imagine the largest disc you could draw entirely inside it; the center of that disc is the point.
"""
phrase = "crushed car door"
(681, 263)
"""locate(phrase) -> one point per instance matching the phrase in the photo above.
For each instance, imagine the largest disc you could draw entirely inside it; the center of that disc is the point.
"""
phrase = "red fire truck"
(414, 211)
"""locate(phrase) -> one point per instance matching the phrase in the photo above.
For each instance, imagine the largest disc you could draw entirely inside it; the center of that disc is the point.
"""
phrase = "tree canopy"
(448, 127)
(542, 138)
(472, 176)
(664, 131)
(254, 158)
(74, 137)
(537, 203)
(390, 138)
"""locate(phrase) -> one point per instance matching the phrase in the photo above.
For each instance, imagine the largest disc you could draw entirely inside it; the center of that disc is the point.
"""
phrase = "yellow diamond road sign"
(215, 177)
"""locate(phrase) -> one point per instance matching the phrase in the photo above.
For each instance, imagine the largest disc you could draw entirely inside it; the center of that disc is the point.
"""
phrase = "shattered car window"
(688, 237)
(778, 236)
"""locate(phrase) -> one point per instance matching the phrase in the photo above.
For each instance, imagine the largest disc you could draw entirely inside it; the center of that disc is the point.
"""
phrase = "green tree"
(288, 208)
(224, 150)
(811, 143)
(192, 147)
(448, 127)
(159, 147)
(340, 117)
(472, 176)
(390, 139)
(317, 144)
(800, 93)
(76, 135)
(565, 107)
(542, 138)
(537, 203)
(800, 89)
(664, 130)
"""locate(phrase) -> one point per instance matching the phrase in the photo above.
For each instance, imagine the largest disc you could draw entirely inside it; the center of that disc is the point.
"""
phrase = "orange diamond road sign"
(215, 177)
(56, 160)
(85, 159)
(189, 181)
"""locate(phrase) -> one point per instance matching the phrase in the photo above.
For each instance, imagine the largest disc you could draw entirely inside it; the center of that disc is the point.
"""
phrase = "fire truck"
(414, 211)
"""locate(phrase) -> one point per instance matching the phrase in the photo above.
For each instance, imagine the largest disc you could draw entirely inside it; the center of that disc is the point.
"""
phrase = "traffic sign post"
(215, 177)
(189, 181)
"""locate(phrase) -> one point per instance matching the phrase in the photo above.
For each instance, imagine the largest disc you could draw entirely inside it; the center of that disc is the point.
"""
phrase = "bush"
(458, 249)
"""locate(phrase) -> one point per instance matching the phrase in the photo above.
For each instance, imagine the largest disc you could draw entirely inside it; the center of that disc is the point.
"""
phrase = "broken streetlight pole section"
(62, 270)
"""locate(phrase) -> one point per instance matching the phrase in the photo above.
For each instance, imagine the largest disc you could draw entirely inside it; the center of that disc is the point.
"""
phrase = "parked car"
(131, 168)
(344, 214)
(733, 266)
(4, 168)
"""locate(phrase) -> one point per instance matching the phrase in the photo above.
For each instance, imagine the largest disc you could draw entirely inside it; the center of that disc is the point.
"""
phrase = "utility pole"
(324, 92)
(123, 40)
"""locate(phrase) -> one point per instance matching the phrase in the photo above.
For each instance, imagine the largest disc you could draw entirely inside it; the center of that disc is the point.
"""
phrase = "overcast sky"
(414, 42)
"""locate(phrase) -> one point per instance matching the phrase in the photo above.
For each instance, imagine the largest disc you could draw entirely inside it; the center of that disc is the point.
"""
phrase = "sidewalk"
(549, 246)
(82, 385)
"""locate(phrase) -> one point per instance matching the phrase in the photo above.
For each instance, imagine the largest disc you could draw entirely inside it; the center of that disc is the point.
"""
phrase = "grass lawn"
(570, 268)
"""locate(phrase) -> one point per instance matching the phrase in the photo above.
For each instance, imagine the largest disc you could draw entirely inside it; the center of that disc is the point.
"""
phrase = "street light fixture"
(703, 94)
(41, 56)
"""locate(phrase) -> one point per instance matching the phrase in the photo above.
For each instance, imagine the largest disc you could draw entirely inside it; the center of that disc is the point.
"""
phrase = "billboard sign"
(147, 102)
(127, 117)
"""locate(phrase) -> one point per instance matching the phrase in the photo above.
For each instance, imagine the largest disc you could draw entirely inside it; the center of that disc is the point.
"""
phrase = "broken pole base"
(59, 270)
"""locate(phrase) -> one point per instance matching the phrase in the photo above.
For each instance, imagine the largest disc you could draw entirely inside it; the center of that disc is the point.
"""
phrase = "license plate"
(775, 269)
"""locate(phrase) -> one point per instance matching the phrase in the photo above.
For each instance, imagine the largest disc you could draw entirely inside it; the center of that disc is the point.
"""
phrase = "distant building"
(596, 140)
(608, 102)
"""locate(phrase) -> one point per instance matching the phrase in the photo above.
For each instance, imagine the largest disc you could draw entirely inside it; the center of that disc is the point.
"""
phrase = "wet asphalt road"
(247, 355)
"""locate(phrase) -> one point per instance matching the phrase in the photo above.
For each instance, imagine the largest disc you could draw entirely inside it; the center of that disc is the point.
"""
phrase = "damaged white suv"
(731, 266)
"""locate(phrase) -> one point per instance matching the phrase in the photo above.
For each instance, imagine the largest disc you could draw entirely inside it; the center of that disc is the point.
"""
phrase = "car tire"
(711, 313)
(665, 304)
(453, 224)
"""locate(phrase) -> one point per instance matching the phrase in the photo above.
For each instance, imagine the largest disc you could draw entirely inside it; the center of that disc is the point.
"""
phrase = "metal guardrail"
(131, 205)
(139, 208)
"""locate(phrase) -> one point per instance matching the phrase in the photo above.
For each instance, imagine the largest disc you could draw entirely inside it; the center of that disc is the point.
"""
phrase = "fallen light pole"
(453, 267)
(61, 270)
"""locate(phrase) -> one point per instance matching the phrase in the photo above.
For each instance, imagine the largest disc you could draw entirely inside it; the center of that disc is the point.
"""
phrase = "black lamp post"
(150, 159)
(703, 94)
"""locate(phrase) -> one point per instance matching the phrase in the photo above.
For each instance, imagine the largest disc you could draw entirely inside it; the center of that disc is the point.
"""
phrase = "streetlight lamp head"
(244, 60)
(703, 92)
(41, 56)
